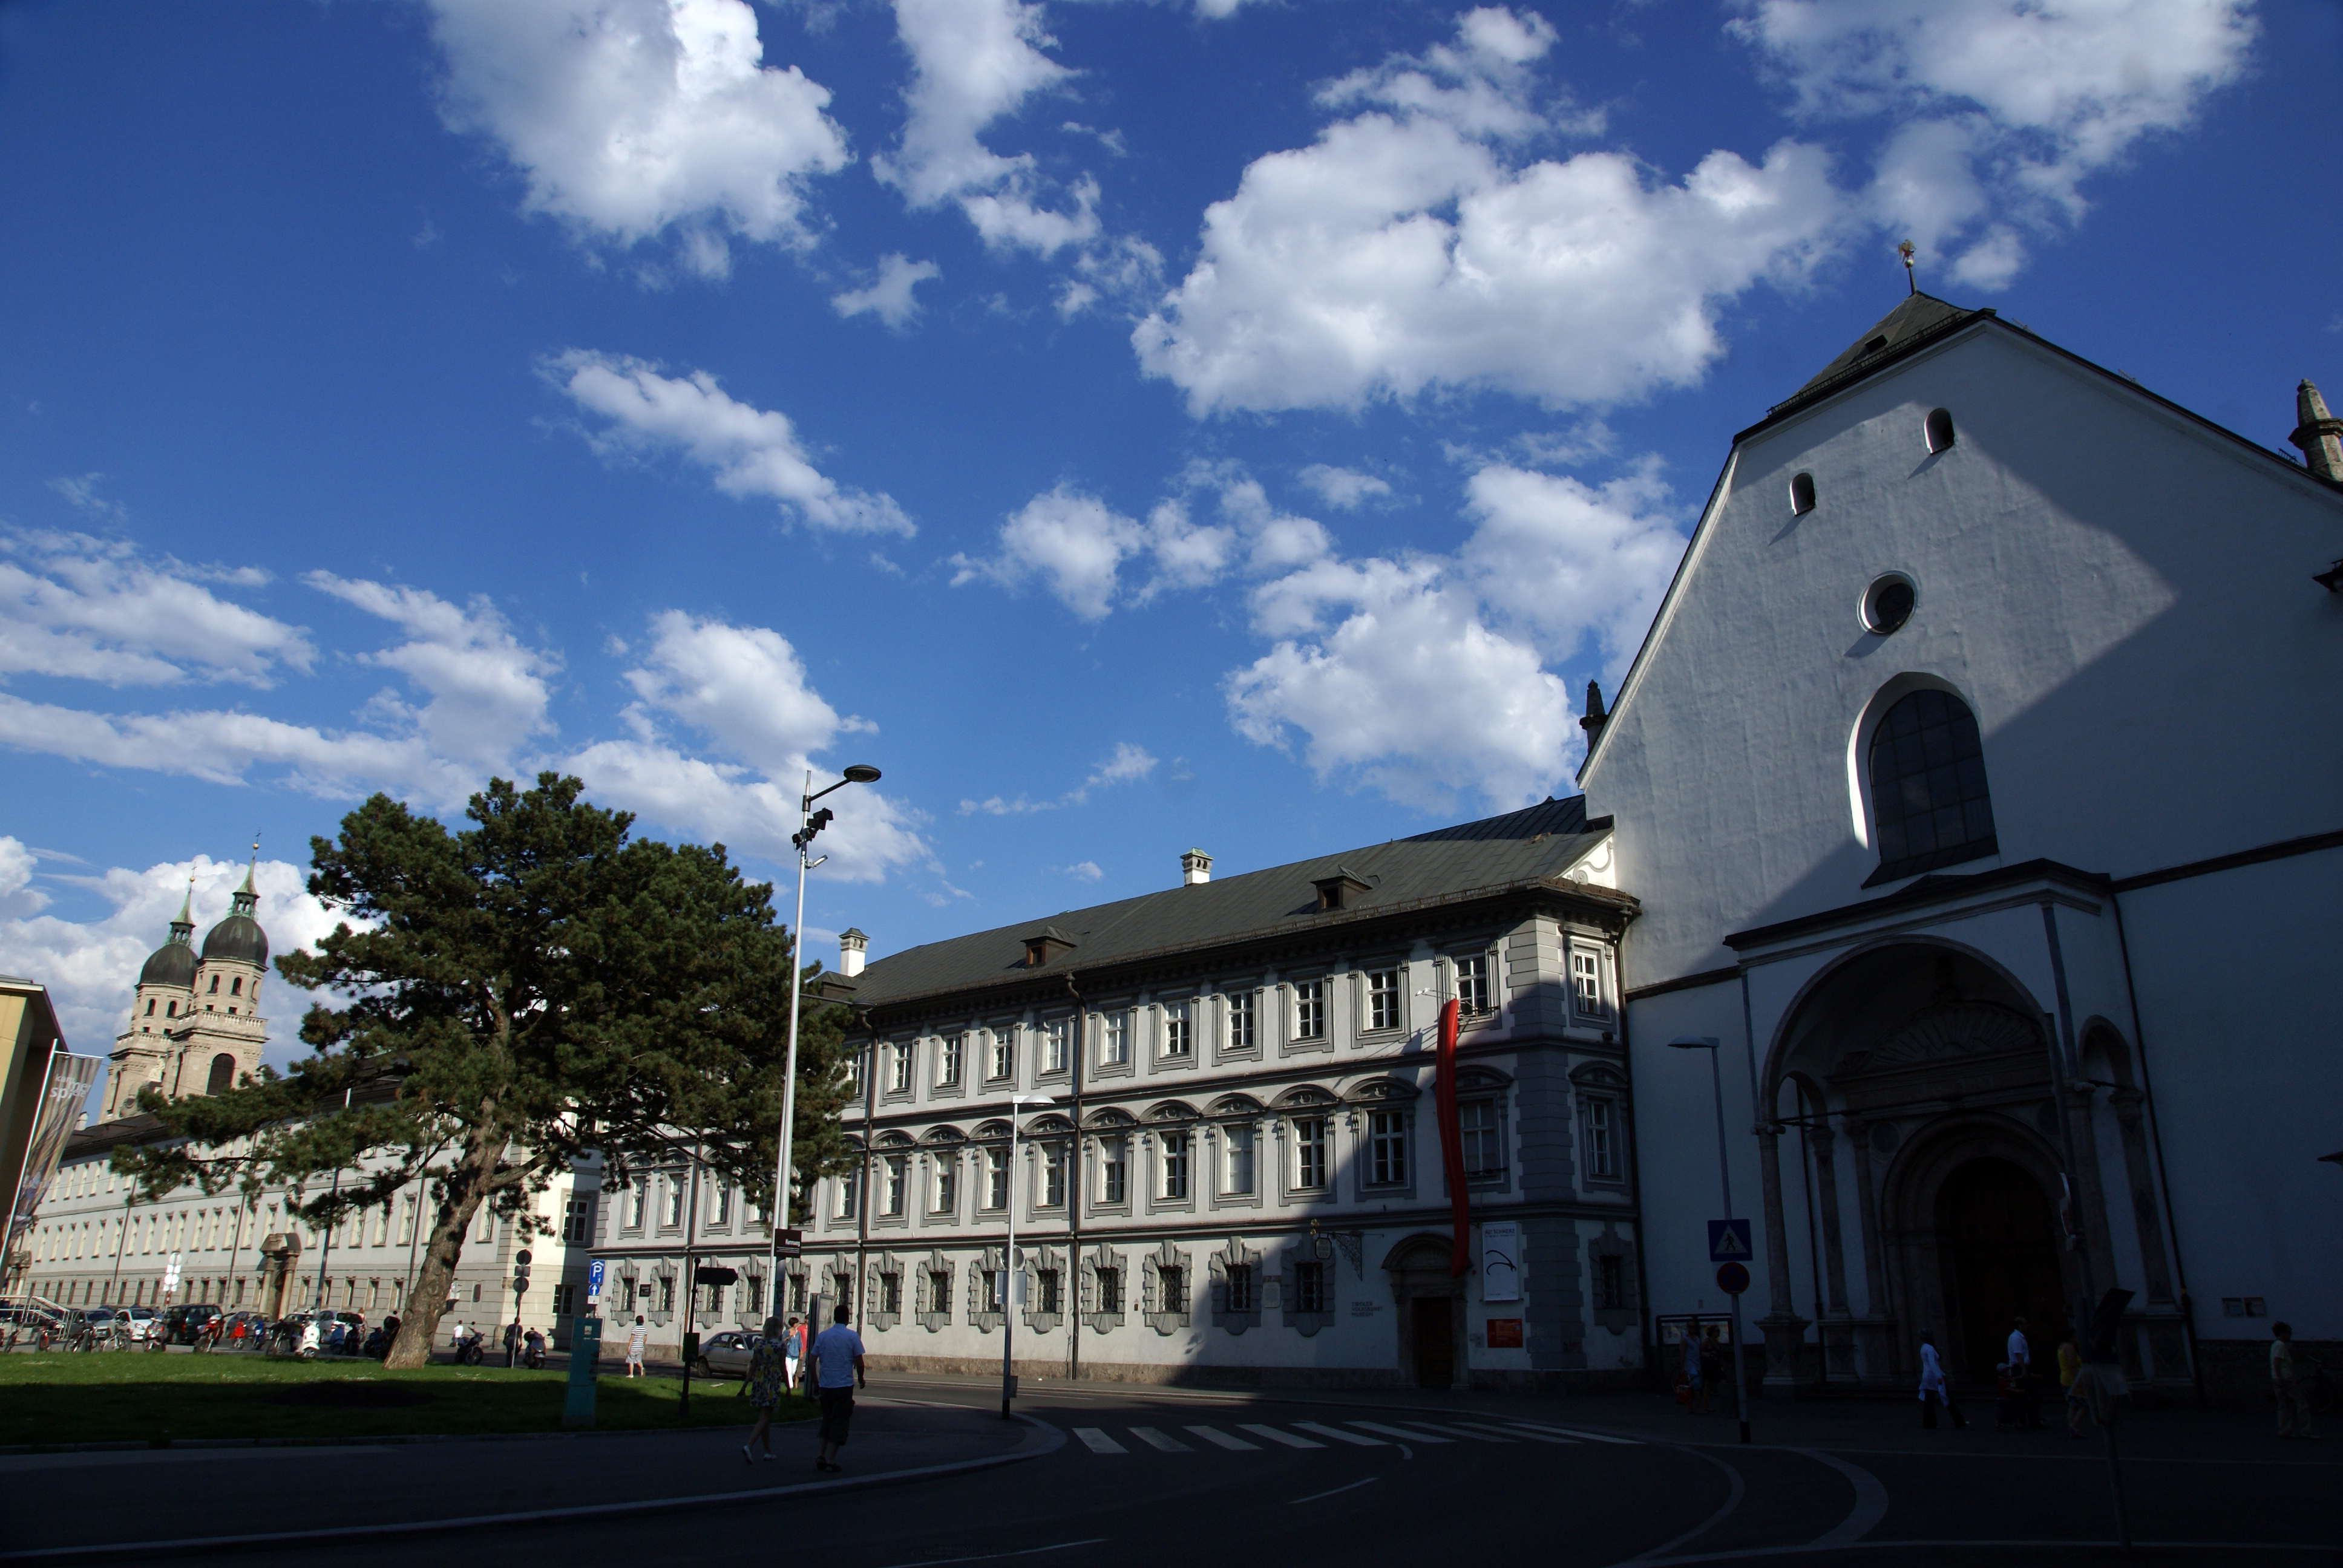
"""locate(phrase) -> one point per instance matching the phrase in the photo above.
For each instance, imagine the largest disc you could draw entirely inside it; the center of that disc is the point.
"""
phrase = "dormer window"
(1045, 944)
(1339, 890)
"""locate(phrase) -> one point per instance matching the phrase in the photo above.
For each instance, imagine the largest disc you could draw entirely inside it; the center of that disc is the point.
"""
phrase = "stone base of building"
(2236, 1371)
(1191, 1375)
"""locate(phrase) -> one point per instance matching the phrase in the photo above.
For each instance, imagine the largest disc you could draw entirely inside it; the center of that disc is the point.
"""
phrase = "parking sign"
(594, 1282)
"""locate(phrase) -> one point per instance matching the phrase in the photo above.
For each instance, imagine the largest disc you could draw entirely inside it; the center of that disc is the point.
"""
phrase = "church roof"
(1918, 319)
(239, 937)
(174, 963)
(1447, 864)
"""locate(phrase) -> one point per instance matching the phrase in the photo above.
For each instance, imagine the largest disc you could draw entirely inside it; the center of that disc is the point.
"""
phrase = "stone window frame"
(1450, 984)
(1005, 1032)
(940, 1147)
(1236, 1254)
(1363, 989)
(1289, 1042)
(1482, 1083)
(955, 1087)
(1605, 1011)
(902, 1084)
(1224, 1016)
(662, 1277)
(795, 1283)
(1041, 1134)
(1362, 1100)
(1307, 1324)
(1100, 1068)
(1039, 1260)
(936, 1265)
(1304, 1100)
(1161, 1058)
(892, 1146)
(1107, 1122)
(1102, 1256)
(1165, 1118)
(838, 1187)
(1593, 1081)
(991, 1138)
(982, 1314)
(1045, 1027)
(1163, 1319)
(1618, 1320)
(887, 1266)
(1225, 1114)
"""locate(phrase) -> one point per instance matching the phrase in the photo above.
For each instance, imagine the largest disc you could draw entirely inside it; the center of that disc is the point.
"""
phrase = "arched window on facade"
(222, 1078)
(1929, 805)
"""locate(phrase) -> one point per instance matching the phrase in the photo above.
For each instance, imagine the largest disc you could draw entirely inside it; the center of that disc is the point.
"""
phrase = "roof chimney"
(852, 946)
(2318, 432)
(1596, 718)
(1195, 867)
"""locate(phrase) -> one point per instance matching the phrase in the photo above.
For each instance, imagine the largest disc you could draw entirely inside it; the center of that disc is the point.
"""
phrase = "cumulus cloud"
(1416, 244)
(1127, 764)
(1075, 542)
(487, 692)
(91, 967)
(1343, 488)
(1998, 107)
(743, 690)
(1579, 568)
(752, 451)
(100, 609)
(888, 295)
(631, 119)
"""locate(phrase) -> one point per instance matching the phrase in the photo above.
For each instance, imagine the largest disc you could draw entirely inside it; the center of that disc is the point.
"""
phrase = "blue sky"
(1240, 423)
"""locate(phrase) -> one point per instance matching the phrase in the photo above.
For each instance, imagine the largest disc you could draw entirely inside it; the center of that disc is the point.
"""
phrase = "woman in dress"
(768, 1378)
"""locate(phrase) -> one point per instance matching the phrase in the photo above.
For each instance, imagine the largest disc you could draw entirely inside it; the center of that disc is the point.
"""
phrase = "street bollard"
(584, 1356)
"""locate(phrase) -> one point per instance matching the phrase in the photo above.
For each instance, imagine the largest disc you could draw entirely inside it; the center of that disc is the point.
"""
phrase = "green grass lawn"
(124, 1396)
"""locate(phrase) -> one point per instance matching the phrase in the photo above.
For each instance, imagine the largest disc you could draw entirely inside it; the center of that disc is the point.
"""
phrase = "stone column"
(1837, 1347)
(1873, 1335)
(2127, 1103)
(1784, 1331)
(2091, 1195)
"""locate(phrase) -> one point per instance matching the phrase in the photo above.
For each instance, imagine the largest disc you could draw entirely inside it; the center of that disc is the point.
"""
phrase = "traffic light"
(814, 824)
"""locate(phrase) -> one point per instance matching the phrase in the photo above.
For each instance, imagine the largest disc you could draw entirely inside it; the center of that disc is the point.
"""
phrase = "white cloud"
(744, 690)
(752, 451)
(888, 295)
(91, 967)
(1343, 488)
(973, 63)
(633, 118)
(2001, 105)
(1568, 564)
(81, 494)
(1084, 870)
(1411, 246)
(18, 896)
(1128, 765)
(488, 692)
(95, 610)
(1075, 542)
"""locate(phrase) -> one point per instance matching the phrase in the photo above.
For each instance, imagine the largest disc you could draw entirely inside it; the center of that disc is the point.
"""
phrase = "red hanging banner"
(1452, 1143)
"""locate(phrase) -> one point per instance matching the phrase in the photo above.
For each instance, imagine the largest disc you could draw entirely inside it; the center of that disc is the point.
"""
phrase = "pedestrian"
(459, 1336)
(1712, 1369)
(2021, 1377)
(2071, 1379)
(1692, 1371)
(2293, 1409)
(1933, 1389)
(769, 1375)
(638, 1339)
(792, 1347)
(512, 1342)
(837, 1357)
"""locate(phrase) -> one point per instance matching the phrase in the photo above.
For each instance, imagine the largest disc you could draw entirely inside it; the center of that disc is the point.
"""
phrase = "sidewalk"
(133, 1500)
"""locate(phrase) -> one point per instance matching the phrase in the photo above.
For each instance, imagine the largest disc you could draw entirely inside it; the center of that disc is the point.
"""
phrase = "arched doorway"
(1430, 1317)
(2000, 1256)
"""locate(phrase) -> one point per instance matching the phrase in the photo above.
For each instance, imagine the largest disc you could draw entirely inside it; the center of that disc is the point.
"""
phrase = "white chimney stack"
(1195, 867)
(852, 945)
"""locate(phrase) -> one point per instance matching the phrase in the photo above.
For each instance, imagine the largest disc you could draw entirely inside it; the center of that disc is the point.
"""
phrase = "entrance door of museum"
(1435, 1355)
(2001, 1255)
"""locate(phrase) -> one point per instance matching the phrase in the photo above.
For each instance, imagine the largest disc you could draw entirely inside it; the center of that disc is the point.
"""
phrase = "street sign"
(789, 1243)
(594, 1280)
(1728, 1241)
(1732, 1278)
(707, 1274)
(520, 1260)
(521, 1281)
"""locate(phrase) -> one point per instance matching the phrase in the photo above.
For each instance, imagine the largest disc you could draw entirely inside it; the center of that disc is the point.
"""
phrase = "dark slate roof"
(1521, 847)
(1918, 318)
(237, 937)
(173, 963)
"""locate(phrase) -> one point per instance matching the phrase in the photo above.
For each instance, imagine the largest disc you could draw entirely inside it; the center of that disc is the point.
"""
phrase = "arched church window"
(150, 1007)
(1802, 494)
(222, 1078)
(1928, 795)
(1938, 428)
(172, 1012)
(215, 985)
(235, 985)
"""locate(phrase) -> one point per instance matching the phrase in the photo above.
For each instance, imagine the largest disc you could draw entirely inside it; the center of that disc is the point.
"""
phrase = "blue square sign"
(1728, 1241)
(594, 1280)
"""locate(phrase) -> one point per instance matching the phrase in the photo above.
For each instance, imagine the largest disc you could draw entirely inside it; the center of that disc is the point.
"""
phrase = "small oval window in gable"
(1888, 603)
(1802, 494)
(1939, 428)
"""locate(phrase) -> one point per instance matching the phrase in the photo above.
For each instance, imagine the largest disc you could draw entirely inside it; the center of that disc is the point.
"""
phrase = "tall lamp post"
(810, 823)
(1709, 1044)
(1016, 1103)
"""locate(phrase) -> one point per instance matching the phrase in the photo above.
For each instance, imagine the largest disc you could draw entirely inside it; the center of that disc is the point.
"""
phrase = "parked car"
(726, 1355)
(139, 1321)
(185, 1323)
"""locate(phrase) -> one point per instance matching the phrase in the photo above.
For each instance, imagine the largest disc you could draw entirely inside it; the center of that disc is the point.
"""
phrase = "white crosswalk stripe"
(1399, 1431)
(1474, 1434)
(1214, 1435)
(1582, 1436)
(1154, 1439)
(1521, 1432)
(1339, 1435)
(1274, 1436)
(1098, 1442)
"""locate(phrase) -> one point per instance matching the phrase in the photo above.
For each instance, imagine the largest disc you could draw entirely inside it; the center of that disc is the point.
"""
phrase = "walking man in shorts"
(637, 1338)
(837, 1357)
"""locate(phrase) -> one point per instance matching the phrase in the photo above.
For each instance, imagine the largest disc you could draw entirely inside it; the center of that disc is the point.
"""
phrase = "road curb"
(1040, 1438)
(142, 1446)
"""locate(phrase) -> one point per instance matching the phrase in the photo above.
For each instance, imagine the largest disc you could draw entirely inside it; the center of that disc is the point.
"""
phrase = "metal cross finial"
(1906, 250)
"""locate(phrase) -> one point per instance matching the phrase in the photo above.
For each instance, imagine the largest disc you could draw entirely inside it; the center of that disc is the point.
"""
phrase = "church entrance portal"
(1434, 1367)
(2001, 1263)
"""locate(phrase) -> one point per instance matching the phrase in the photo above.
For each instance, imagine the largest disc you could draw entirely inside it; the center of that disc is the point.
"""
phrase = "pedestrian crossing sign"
(1728, 1241)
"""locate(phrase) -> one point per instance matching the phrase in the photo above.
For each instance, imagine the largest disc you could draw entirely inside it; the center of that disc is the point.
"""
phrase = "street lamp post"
(1016, 1103)
(1709, 1044)
(809, 824)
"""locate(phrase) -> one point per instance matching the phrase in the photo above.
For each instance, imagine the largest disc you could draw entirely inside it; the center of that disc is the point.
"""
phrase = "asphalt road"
(1148, 1474)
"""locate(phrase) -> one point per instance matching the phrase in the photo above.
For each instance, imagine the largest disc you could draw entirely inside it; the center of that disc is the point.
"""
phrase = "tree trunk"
(467, 1182)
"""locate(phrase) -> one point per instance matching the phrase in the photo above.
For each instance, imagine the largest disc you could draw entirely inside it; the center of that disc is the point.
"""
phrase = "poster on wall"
(1501, 1261)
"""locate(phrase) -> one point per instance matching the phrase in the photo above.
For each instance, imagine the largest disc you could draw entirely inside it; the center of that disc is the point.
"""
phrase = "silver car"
(727, 1354)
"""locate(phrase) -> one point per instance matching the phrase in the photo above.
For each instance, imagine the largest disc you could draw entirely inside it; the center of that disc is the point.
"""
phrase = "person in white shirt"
(837, 1356)
(2021, 1377)
(638, 1339)
(1933, 1389)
